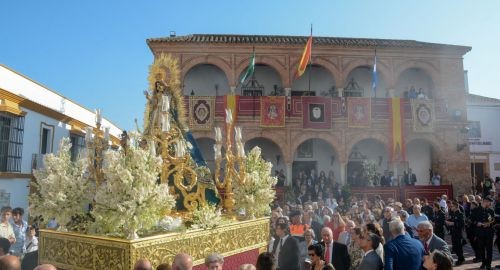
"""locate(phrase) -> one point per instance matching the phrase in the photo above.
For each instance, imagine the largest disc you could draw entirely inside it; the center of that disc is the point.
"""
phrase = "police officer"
(497, 221)
(484, 219)
(456, 223)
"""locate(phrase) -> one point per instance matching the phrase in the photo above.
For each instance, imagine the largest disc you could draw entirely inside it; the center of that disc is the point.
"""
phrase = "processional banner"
(359, 112)
(272, 111)
(201, 112)
(423, 115)
(317, 112)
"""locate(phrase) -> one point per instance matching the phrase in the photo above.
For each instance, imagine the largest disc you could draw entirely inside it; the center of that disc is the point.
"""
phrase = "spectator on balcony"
(412, 94)
(421, 94)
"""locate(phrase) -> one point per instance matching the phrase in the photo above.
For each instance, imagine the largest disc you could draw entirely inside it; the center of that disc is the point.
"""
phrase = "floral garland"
(130, 198)
(256, 193)
(62, 187)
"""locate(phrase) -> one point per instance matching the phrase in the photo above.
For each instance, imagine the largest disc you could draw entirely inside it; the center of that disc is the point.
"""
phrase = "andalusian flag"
(250, 69)
(306, 57)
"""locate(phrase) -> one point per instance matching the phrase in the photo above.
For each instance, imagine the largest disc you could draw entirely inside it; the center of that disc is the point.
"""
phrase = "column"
(288, 173)
(343, 173)
(340, 91)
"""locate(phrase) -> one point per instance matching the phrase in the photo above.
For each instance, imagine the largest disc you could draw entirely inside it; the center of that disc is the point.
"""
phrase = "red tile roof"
(300, 40)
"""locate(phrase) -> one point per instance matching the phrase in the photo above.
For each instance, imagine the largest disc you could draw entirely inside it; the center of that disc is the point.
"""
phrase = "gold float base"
(79, 251)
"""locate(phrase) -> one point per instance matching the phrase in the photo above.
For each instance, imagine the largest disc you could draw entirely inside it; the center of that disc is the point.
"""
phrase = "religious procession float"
(153, 196)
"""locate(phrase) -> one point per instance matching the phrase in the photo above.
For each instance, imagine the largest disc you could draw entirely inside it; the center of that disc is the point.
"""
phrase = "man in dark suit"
(402, 252)
(286, 249)
(431, 241)
(371, 260)
(335, 253)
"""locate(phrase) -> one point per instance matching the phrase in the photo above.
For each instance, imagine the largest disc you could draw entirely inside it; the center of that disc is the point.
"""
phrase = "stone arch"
(431, 70)
(423, 154)
(321, 62)
(432, 139)
(205, 80)
(383, 71)
(270, 150)
(275, 137)
(331, 140)
(265, 60)
(206, 59)
(356, 138)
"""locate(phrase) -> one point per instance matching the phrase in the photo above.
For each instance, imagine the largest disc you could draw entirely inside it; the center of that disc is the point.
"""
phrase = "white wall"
(19, 190)
(322, 154)
(269, 150)
(32, 136)
(373, 150)
(24, 87)
(321, 81)
(364, 76)
(419, 156)
(202, 80)
(488, 116)
(417, 78)
(266, 76)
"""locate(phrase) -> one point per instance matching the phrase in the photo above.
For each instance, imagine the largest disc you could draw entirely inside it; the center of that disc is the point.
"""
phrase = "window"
(11, 142)
(77, 145)
(474, 129)
(46, 138)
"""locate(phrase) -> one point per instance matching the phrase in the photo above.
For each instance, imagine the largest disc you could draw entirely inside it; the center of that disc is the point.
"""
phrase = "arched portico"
(205, 80)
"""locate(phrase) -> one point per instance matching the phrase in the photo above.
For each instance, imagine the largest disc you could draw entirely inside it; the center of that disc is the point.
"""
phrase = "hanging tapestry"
(359, 112)
(272, 111)
(317, 112)
(423, 115)
(201, 112)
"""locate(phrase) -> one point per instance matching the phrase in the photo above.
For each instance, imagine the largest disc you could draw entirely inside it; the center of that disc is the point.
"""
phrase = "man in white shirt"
(6, 230)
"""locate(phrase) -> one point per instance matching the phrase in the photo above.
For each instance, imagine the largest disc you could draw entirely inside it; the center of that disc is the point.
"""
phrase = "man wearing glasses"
(371, 260)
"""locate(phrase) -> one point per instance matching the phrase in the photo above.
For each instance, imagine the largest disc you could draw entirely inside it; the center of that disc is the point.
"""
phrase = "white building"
(483, 114)
(33, 120)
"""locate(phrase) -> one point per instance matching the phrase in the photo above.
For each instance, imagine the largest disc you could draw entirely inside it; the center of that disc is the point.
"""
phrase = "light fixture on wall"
(278, 157)
(216, 86)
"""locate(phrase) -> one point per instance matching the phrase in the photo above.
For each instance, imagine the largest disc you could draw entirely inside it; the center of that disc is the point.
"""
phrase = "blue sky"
(95, 53)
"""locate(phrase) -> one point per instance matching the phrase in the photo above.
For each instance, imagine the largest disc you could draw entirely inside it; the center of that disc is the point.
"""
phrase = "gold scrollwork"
(76, 251)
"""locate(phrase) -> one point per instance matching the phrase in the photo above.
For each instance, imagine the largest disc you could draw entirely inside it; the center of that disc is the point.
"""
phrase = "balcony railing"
(380, 107)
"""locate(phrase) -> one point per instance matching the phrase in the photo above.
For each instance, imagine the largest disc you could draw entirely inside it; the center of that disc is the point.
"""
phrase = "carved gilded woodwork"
(78, 251)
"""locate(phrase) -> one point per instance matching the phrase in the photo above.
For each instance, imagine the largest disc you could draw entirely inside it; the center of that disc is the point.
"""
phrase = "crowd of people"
(377, 234)
(342, 234)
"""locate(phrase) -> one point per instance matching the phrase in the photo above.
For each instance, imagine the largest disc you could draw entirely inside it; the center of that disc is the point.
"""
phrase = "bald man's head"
(182, 261)
(10, 262)
(143, 264)
(45, 267)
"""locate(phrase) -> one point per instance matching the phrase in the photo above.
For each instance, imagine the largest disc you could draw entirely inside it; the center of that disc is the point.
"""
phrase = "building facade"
(340, 75)
(484, 136)
(33, 120)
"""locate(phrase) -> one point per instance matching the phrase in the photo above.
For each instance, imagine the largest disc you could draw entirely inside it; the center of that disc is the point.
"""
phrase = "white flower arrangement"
(130, 198)
(62, 187)
(256, 193)
(207, 216)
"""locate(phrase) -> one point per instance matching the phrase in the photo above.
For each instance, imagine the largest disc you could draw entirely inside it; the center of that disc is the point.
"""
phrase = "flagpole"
(310, 65)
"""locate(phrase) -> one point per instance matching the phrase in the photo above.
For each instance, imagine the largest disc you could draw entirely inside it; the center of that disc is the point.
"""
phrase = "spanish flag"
(397, 151)
(306, 57)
